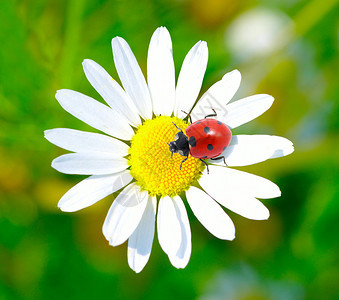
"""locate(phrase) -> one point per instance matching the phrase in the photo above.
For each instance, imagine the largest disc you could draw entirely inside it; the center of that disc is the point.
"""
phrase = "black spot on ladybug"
(224, 148)
(210, 147)
(207, 129)
(219, 123)
(192, 141)
(204, 156)
(198, 122)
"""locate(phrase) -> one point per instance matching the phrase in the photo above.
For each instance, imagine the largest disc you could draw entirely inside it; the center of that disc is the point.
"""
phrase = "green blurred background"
(288, 49)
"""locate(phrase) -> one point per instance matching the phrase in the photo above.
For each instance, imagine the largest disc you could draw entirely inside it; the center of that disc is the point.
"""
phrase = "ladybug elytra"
(205, 139)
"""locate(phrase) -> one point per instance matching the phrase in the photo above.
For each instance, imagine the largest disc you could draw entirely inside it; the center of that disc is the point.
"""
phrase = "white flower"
(145, 170)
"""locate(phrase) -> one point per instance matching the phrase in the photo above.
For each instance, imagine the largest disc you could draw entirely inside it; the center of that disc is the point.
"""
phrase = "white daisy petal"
(93, 189)
(217, 96)
(111, 91)
(210, 214)
(168, 226)
(245, 110)
(124, 214)
(89, 163)
(232, 183)
(228, 193)
(131, 77)
(82, 141)
(181, 258)
(94, 114)
(161, 72)
(246, 150)
(103, 156)
(141, 240)
(243, 205)
(190, 78)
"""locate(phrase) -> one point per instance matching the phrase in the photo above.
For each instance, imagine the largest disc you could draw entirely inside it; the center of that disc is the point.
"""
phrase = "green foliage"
(47, 254)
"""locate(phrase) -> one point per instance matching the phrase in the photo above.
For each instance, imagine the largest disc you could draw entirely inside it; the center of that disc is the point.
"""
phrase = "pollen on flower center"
(151, 163)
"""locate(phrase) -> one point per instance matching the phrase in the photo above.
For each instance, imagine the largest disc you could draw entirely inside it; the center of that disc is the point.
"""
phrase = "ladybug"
(205, 139)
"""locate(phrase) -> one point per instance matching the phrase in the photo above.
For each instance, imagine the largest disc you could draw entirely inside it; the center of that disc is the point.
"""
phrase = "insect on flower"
(205, 139)
(135, 154)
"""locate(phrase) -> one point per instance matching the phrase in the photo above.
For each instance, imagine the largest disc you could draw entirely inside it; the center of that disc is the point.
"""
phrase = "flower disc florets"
(151, 163)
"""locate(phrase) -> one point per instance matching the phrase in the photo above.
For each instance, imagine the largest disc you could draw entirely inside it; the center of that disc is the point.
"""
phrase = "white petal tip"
(46, 133)
(203, 45)
(65, 209)
(53, 164)
(114, 241)
(136, 270)
(286, 148)
(60, 93)
(117, 40)
(274, 192)
(162, 29)
(231, 238)
(106, 236)
(199, 46)
(180, 264)
(263, 216)
(234, 72)
(289, 149)
(57, 94)
(267, 99)
(161, 36)
(86, 61)
(228, 237)
(111, 242)
(177, 266)
(87, 64)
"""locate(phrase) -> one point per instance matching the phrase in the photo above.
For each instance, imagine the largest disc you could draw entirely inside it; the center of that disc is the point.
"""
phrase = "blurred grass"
(48, 254)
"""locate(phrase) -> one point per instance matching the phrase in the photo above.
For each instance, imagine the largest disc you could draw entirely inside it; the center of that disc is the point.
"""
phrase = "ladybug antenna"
(176, 126)
(188, 115)
(211, 115)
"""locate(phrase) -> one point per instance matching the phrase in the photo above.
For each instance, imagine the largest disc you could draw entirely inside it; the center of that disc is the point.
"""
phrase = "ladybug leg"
(208, 171)
(183, 161)
(171, 151)
(212, 115)
(188, 115)
(220, 157)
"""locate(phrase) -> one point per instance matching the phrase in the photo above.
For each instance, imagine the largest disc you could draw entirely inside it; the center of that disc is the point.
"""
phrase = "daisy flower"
(133, 153)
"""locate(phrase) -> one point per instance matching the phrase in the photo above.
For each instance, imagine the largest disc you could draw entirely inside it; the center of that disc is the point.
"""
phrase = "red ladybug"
(206, 139)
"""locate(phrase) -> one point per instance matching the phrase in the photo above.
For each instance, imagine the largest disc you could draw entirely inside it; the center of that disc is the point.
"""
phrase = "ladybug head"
(180, 144)
(173, 147)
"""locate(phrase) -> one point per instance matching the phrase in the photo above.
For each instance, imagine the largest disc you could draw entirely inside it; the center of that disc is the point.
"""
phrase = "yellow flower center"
(151, 163)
